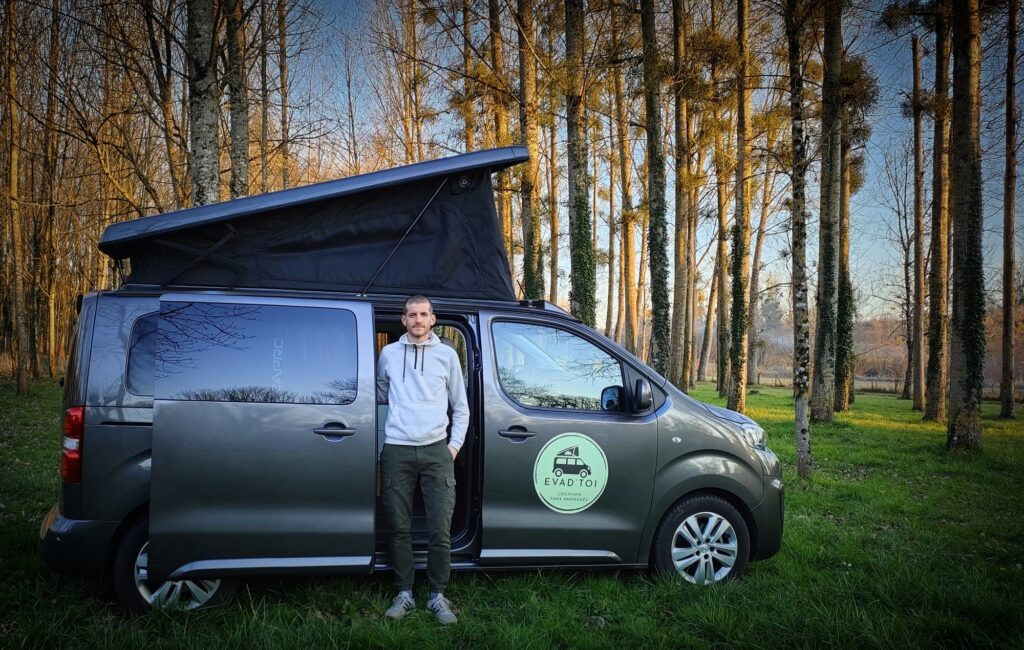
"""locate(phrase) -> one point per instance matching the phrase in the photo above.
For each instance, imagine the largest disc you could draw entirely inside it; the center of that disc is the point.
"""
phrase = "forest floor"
(894, 543)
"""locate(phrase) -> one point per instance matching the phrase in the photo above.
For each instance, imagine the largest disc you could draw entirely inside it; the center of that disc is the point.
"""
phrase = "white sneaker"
(400, 606)
(442, 609)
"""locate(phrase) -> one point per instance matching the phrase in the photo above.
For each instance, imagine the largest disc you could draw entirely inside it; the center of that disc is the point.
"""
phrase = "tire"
(139, 597)
(584, 474)
(558, 472)
(687, 547)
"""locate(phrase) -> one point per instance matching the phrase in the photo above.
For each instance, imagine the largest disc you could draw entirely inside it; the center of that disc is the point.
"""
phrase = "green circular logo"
(570, 473)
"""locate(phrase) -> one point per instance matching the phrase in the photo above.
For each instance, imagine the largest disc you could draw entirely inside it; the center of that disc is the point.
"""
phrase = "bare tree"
(1009, 206)
(533, 262)
(583, 281)
(967, 331)
(797, 13)
(203, 101)
(917, 356)
(823, 395)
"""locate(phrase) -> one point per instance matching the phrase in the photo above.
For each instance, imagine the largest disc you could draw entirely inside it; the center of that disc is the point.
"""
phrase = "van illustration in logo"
(568, 461)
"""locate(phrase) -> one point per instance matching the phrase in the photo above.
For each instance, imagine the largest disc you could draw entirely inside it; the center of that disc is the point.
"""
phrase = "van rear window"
(224, 352)
(141, 356)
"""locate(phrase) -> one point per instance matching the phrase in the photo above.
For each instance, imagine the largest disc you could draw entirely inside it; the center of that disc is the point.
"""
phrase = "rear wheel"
(136, 593)
(703, 539)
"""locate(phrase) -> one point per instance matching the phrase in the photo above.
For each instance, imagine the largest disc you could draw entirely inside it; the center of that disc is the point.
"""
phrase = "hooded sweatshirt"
(418, 381)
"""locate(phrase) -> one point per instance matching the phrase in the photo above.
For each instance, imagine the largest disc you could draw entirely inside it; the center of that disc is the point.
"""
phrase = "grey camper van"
(220, 417)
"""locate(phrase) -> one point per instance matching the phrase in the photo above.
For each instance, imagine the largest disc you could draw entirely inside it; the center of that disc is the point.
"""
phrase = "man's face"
(418, 320)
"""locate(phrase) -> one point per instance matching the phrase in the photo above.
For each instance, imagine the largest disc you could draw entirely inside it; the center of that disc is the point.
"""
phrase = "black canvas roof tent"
(430, 228)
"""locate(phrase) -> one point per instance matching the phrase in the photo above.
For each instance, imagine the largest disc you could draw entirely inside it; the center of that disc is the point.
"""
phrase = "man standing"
(418, 378)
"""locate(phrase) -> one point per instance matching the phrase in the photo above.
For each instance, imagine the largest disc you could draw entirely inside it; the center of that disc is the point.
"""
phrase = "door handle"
(516, 432)
(339, 432)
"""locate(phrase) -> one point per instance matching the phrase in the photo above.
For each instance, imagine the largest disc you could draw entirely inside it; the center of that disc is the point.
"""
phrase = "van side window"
(547, 367)
(220, 352)
(141, 356)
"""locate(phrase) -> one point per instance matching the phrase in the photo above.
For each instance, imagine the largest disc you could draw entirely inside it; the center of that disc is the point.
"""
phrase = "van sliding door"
(264, 444)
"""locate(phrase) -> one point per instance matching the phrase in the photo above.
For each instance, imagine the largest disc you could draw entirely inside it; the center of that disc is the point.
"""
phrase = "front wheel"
(703, 540)
(136, 593)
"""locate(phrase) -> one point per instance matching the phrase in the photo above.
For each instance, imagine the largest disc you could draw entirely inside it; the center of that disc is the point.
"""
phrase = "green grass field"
(893, 544)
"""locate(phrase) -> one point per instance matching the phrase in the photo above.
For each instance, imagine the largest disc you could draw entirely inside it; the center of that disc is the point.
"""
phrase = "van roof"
(340, 235)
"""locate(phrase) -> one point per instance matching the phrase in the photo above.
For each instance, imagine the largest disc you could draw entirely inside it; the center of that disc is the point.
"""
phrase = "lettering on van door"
(570, 473)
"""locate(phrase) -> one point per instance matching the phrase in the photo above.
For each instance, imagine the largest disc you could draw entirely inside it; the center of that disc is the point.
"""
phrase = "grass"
(894, 543)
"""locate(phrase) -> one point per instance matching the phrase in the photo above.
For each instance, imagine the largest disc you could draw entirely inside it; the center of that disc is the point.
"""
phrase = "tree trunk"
(49, 278)
(533, 262)
(282, 65)
(938, 275)
(468, 114)
(681, 280)
(21, 362)
(657, 240)
(553, 209)
(265, 98)
(823, 395)
(844, 312)
(917, 360)
(795, 17)
(967, 331)
(609, 322)
(705, 348)
(238, 94)
(722, 268)
(203, 109)
(1009, 205)
(582, 276)
(753, 299)
(501, 137)
(629, 286)
(741, 229)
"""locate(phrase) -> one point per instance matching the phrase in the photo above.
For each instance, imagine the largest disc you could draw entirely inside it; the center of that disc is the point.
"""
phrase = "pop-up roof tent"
(430, 228)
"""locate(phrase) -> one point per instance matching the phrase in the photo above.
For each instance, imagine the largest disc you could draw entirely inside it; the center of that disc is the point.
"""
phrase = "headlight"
(753, 434)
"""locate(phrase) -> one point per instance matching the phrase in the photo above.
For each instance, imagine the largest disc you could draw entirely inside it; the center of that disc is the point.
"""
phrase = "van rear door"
(264, 441)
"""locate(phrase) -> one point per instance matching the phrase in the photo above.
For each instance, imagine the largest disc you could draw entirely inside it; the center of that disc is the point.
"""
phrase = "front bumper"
(769, 518)
(75, 546)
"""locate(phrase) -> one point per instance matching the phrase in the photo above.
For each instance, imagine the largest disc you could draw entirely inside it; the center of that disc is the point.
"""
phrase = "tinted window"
(552, 368)
(255, 353)
(141, 356)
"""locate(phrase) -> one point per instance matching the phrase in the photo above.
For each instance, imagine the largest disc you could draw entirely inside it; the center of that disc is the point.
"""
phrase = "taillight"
(71, 455)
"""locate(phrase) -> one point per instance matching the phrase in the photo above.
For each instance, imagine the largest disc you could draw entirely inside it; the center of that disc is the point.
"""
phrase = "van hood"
(726, 414)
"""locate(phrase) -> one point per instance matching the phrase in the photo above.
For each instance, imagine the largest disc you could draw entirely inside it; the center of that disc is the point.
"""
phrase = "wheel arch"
(722, 476)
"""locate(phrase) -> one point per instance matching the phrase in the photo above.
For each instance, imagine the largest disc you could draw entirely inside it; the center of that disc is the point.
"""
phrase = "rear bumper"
(75, 546)
(769, 517)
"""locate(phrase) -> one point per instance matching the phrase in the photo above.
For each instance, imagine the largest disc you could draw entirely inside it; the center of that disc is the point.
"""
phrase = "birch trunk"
(238, 94)
(794, 18)
(203, 102)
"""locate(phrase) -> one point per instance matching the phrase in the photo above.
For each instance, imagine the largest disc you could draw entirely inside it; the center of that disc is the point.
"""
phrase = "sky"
(875, 263)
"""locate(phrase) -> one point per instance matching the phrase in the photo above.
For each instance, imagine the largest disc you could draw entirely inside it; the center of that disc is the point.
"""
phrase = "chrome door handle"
(516, 432)
(334, 433)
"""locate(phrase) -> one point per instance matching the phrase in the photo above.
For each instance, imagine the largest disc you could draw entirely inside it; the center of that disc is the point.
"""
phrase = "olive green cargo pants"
(432, 467)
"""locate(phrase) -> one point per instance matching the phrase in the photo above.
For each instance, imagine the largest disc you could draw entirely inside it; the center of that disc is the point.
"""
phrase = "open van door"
(264, 442)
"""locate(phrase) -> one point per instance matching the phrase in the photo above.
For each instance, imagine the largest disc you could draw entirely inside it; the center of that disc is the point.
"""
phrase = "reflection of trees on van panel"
(256, 353)
(341, 391)
(542, 395)
(188, 329)
(552, 368)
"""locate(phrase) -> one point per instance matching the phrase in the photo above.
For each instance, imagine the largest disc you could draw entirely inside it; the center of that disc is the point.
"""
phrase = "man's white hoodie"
(418, 381)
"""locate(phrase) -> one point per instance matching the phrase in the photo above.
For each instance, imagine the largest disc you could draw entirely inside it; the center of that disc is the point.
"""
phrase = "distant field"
(893, 544)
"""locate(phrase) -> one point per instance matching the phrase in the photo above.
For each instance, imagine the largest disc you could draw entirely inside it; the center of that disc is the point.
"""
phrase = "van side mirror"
(642, 397)
(611, 398)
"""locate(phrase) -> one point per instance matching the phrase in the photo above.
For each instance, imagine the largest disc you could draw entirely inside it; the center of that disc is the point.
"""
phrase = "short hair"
(417, 298)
